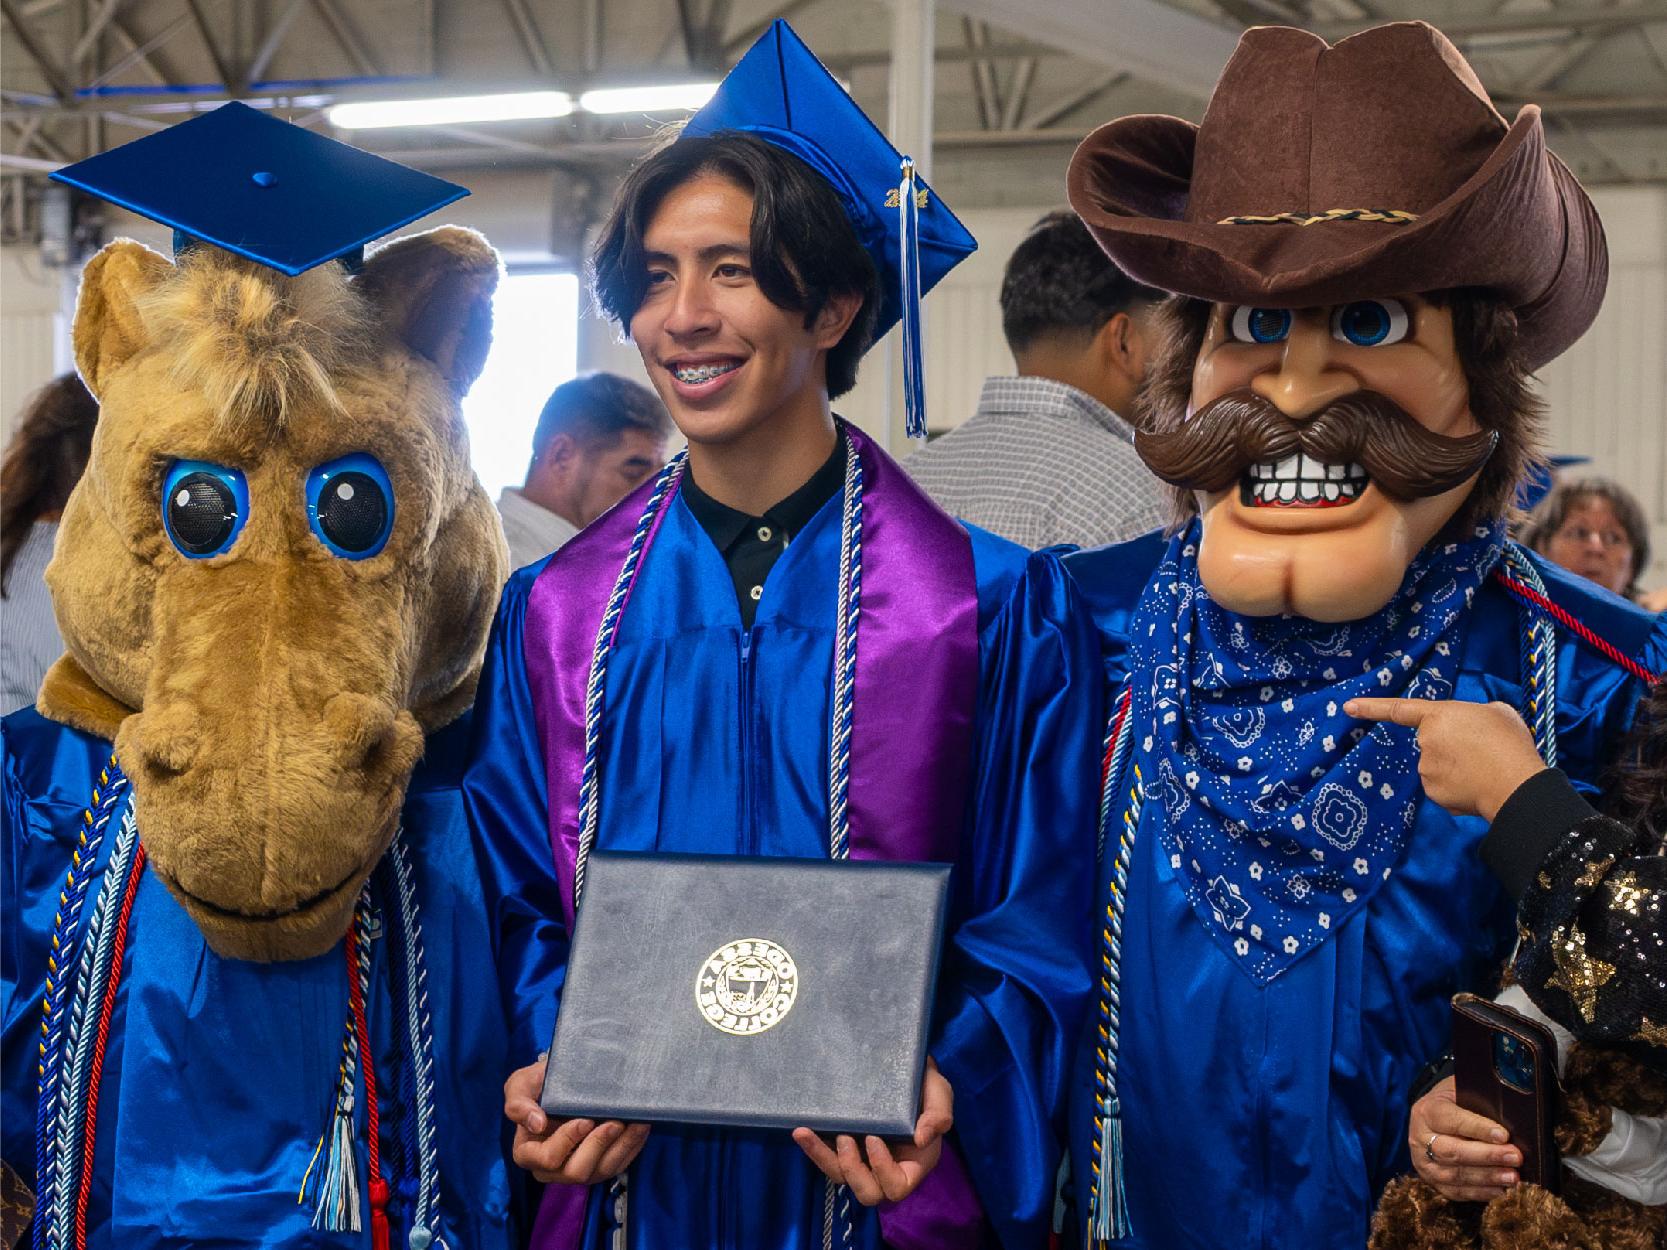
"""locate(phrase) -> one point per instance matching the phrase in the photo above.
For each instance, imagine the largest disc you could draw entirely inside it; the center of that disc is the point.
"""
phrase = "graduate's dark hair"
(803, 249)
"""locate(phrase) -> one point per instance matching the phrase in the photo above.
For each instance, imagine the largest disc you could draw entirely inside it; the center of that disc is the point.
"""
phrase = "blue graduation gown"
(220, 1073)
(716, 741)
(1272, 1116)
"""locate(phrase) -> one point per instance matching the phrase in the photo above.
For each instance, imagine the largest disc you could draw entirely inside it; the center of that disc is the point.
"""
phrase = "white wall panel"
(1607, 396)
(30, 352)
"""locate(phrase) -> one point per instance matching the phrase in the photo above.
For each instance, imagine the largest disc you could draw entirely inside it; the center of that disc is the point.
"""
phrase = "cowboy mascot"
(1369, 263)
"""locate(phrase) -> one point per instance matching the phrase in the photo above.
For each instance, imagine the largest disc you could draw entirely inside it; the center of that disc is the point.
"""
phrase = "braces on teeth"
(1302, 479)
(702, 373)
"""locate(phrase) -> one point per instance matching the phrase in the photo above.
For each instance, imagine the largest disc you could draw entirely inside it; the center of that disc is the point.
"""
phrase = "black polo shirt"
(751, 545)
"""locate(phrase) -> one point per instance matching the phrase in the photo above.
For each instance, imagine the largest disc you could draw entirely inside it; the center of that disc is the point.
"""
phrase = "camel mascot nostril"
(244, 1001)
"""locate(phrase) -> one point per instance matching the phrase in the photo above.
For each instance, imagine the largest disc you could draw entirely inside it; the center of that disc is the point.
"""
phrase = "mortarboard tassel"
(908, 241)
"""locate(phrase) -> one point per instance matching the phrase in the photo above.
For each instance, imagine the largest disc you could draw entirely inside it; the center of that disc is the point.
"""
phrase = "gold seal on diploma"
(746, 986)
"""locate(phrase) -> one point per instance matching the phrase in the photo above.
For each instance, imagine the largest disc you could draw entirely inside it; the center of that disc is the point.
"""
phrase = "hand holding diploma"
(886, 1173)
(571, 1152)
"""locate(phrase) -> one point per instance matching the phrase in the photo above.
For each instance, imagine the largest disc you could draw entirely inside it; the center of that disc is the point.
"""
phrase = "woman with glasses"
(1596, 527)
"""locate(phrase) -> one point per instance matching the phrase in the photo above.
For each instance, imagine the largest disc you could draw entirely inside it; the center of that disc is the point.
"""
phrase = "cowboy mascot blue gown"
(240, 922)
(966, 682)
(1370, 261)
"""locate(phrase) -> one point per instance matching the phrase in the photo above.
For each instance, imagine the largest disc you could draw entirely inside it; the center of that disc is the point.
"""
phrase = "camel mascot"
(242, 927)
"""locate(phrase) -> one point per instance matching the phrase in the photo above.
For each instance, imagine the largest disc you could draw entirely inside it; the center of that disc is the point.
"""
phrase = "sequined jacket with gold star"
(1592, 916)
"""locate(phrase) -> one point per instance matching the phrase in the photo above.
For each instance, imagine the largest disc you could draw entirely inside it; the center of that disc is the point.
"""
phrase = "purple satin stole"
(911, 738)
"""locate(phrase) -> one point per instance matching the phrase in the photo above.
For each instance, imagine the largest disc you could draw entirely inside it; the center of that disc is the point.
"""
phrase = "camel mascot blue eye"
(204, 507)
(350, 505)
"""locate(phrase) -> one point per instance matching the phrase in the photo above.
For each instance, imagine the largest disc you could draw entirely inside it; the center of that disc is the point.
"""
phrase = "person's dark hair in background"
(594, 410)
(1595, 527)
(803, 249)
(1059, 286)
(598, 438)
(1047, 457)
(43, 463)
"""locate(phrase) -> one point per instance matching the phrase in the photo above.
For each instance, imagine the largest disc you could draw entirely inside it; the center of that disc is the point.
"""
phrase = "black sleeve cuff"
(1528, 825)
(1432, 1074)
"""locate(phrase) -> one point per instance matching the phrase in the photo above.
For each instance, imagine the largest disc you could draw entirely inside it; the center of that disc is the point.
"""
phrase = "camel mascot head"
(279, 569)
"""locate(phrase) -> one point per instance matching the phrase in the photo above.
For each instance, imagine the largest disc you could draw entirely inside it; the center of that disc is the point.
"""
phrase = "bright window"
(535, 348)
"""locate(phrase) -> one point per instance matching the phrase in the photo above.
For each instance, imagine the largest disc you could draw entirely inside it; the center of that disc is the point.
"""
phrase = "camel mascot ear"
(108, 328)
(434, 291)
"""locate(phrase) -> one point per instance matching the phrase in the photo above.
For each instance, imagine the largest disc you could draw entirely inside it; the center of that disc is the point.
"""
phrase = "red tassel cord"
(379, 1229)
(117, 952)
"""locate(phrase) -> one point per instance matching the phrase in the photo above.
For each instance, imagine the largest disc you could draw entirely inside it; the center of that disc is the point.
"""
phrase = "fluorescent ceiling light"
(453, 111)
(666, 98)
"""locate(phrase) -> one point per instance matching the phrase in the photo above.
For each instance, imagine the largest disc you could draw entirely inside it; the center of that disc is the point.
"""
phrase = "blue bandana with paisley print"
(1281, 816)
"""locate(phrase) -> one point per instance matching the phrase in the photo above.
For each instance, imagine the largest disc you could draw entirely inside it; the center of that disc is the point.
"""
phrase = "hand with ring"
(1464, 1156)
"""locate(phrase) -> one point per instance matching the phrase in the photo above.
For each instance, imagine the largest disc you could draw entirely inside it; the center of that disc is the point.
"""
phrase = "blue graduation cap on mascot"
(261, 187)
(782, 94)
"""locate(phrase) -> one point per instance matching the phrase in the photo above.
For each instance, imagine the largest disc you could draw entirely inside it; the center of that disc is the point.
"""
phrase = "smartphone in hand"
(1505, 1067)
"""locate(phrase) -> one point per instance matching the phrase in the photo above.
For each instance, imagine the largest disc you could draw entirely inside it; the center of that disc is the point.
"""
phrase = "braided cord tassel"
(595, 686)
(1539, 659)
(420, 1031)
(358, 995)
(1114, 755)
(1108, 1203)
(665, 488)
(112, 783)
(95, 1074)
(93, 974)
(336, 1203)
(845, 658)
(836, 1198)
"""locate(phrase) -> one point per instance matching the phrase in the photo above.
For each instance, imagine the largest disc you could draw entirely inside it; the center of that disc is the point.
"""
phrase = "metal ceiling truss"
(236, 43)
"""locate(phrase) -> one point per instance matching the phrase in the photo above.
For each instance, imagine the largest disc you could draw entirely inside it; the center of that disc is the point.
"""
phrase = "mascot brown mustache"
(1214, 448)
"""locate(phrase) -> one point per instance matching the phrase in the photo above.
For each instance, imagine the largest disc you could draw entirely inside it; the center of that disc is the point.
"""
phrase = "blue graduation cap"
(1536, 484)
(782, 94)
(256, 185)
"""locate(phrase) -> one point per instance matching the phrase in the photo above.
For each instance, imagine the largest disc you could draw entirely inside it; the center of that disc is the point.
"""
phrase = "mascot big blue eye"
(1259, 325)
(204, 507)
(1370, 322)
(350, 505)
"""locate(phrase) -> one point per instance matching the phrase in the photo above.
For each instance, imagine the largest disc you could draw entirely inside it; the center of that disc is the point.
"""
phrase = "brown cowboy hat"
(1321, 174)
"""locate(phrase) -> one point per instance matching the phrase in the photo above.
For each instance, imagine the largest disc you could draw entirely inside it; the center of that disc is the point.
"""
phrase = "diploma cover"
(749, 992)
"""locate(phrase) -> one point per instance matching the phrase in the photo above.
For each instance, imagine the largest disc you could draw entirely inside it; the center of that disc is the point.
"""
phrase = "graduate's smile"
(699, 377)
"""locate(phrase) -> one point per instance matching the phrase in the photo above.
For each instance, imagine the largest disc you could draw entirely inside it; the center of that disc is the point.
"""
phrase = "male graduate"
(1371, 262)
(783, 586)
